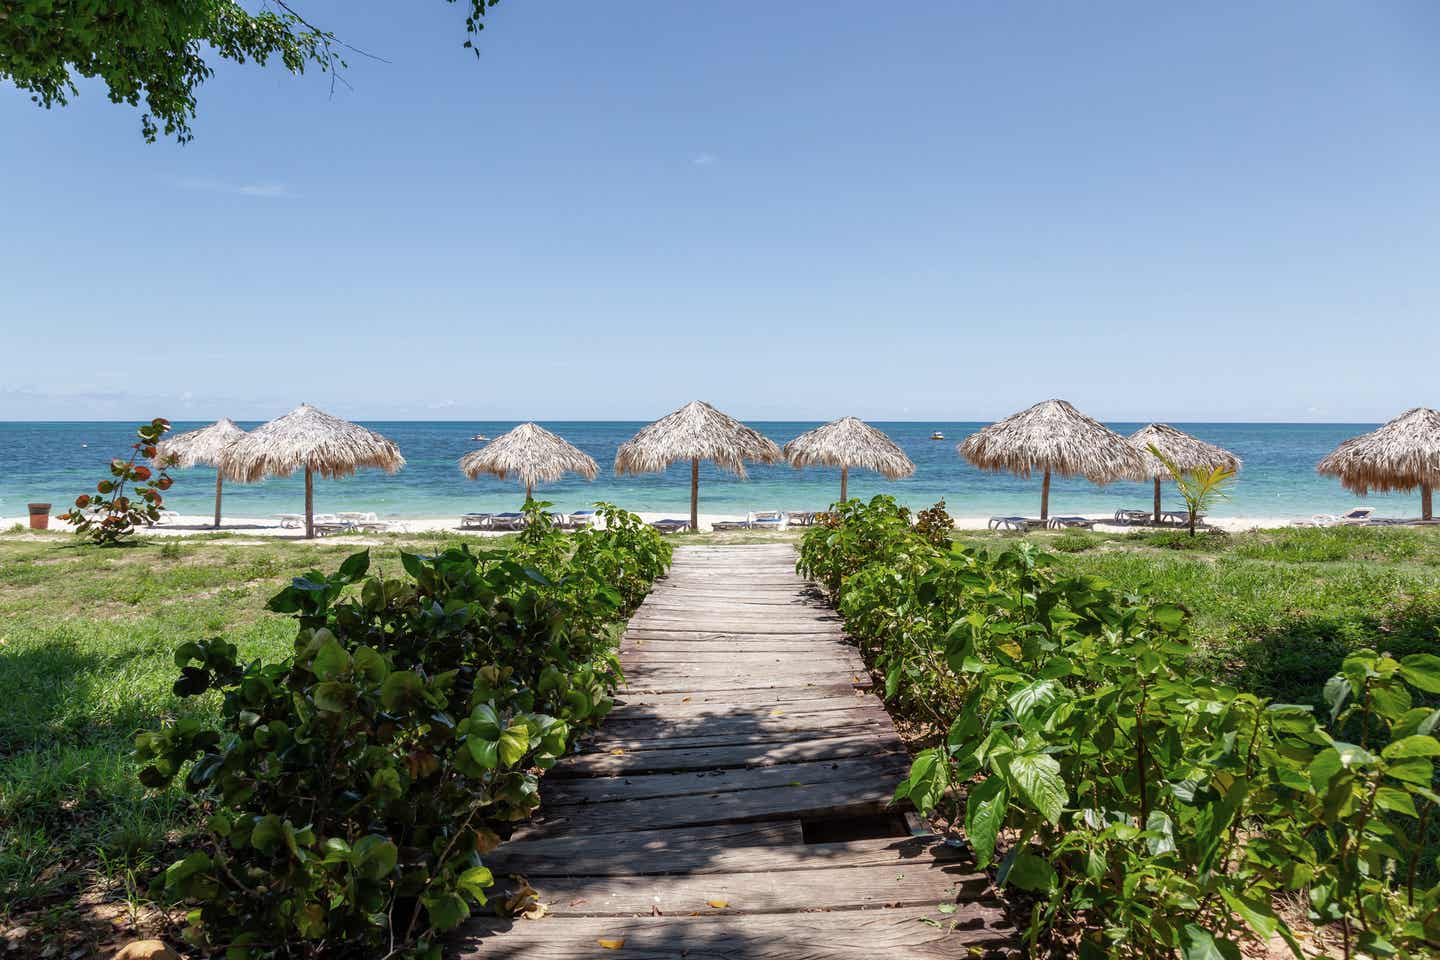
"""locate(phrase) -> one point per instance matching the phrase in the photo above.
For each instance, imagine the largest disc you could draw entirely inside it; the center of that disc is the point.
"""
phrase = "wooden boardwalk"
(736, 802)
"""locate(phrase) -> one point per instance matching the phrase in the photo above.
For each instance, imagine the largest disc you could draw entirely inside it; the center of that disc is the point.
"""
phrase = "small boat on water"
(479, 436)
(937, 435)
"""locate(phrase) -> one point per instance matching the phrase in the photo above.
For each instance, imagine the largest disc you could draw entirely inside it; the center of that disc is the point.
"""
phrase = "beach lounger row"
(516, 521)
(326, 523)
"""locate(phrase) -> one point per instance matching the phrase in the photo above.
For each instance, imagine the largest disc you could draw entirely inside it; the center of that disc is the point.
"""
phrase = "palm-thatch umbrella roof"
(1181, 449)
(202, 446)
(311, 440)
(531, 453)
(1053, 438)
(849, 442)
(695, 432)
(1401, 455)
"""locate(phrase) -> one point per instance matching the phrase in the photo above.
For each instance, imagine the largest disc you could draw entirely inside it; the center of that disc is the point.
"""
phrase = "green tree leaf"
(984, 816)
(1037, 777)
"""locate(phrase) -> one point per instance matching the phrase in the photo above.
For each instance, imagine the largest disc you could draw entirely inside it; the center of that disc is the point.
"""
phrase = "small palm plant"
(1200, 487)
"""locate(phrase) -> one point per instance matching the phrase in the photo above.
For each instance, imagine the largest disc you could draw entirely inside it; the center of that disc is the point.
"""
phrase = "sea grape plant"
(1153, 811)
(355, 787)
(110, 515)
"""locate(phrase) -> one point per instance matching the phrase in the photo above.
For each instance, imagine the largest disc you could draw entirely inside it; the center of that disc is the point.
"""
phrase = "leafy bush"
(1179, 540)
(1075, 541)
(354, 787)
(1153, 812)
(109, 516)
(935, 525)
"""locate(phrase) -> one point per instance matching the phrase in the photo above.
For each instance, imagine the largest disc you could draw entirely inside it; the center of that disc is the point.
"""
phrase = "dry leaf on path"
(718, 904)
(611, 944)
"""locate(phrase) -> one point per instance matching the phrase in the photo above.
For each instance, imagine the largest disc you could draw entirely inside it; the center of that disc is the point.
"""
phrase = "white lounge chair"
(291, 521)
(1354, 517)
(765, 520)
(799, 518)
(671, 526)
(1014, 523)
(1134, 516)
(1062, 523)
(476, 521)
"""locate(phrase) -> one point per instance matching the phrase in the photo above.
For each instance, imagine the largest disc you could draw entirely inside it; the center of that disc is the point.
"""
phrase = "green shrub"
(354, 787)
(1075, 541)
(1153, 812)
(935, 525)
(1181, 540)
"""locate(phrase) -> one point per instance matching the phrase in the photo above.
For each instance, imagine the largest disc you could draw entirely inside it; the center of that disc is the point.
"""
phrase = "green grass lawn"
(1275, 611)
(87, 635)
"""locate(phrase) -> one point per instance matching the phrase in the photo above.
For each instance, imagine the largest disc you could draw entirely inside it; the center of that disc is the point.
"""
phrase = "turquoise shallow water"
(57, 461)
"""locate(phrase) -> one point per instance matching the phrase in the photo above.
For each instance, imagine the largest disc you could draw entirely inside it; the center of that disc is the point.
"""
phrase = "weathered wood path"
(736, 802)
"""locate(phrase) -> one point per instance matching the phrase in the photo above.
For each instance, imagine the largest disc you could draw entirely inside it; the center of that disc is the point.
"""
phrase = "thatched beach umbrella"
(1402, 455)
(845, 443)
(529, 452)
(1181, 449)
(695, 432)
(202, 446)
(311, 440)
(1053, 437)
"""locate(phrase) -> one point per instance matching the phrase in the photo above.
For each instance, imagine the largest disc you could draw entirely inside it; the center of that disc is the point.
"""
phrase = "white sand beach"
(194, 525)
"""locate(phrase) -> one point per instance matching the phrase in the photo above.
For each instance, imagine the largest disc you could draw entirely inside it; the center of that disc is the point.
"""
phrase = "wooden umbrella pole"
(529, 492)
(309, 505)
(694, 494)
(219, 478)
(844, 475)
(1157, 499)
(1045, 497)
(1426, 504)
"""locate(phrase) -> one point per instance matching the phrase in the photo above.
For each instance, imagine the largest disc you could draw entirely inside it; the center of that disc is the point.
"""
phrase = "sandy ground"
(269, 527)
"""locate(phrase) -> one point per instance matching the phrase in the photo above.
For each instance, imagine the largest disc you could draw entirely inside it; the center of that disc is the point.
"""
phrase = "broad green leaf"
(1421, 670)
(375, 856)
(485, 722)
(267, 834)
(446, 911)
(355, 566)
(475, 882)
(984, 815)
(1413, 746)
(1033, 697)
(929, 777)
(1029, 872)
(1197, 943)
(1037, 777)
(513, 744)
(333, 696)
(485, 752)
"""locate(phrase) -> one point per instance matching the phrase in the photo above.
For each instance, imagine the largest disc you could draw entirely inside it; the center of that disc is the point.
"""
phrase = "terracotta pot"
(39, 516)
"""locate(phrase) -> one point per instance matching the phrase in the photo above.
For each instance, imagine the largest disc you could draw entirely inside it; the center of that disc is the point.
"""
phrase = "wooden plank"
(843, 934)
(654, 681)
(639, 852)
(821, 886)
(720, 730)
(891, 767)
(729, 848)
(628, 711)
(778, 694)
(802, 748)
(845, 798)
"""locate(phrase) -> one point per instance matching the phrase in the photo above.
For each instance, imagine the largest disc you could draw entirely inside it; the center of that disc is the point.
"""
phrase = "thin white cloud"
(258, 189)
(703, 159)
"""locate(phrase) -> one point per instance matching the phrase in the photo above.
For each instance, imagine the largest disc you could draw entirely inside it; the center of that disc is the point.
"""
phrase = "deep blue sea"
(57, 461)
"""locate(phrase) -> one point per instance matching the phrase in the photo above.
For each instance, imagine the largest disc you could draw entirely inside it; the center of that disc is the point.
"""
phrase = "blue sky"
(794, 210)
